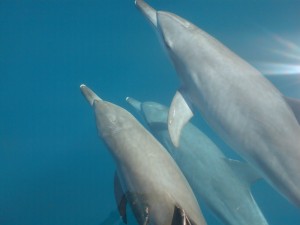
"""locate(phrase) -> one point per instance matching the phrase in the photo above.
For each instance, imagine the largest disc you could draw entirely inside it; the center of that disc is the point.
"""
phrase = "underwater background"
(54, 170)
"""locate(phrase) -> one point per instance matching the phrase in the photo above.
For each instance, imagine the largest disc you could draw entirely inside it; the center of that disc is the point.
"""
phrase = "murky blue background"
(53, 168)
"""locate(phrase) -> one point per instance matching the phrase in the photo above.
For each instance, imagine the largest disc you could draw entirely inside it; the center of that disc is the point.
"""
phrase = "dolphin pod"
(238, 103)
(147, 177)
(223, 184)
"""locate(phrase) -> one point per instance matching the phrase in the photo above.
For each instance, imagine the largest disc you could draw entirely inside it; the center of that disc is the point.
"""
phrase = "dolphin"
(224, 184)
(237, 102)
(147, 177)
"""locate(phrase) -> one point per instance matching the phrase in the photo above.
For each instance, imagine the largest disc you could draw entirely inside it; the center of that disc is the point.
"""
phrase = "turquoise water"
(54, 170)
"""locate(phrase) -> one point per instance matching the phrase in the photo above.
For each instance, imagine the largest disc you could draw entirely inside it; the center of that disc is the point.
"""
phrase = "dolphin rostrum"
(238, 103)
(224, 184)
(147, 176)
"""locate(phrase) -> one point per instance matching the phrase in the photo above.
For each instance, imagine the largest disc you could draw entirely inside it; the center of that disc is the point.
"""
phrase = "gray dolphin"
(224, 184)
(147, 176)
(240, 105)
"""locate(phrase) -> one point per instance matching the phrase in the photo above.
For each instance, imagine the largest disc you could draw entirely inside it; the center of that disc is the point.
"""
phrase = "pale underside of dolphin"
(238, 103)
(224, 184)
(147, 177)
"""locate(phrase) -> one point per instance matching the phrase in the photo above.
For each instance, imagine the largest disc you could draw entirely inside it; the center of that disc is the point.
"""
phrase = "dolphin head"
(175, 32)
(171, 29)
(110, 118)
(152, 112)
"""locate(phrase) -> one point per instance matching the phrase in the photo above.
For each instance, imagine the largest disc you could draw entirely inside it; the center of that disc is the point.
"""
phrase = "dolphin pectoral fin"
(180, 217)
(177, 218)
(246, 172)
(295, 106)
(120, 198)
(179, 114)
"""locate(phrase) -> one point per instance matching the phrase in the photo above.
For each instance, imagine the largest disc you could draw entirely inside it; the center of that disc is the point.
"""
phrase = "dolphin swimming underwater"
(223, 184)
(238, 103)
(147, 176)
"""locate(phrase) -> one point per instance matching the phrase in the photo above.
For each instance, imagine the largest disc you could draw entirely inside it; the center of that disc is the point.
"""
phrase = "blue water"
(54, 170)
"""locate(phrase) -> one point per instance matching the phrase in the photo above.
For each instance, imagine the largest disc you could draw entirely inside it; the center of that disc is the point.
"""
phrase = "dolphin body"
(147, 176)
(238, 103)
(223, 184)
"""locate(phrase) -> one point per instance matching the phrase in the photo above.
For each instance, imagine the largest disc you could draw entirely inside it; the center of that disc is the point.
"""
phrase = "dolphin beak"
(89, 95)
(147, 10)
(135, 103)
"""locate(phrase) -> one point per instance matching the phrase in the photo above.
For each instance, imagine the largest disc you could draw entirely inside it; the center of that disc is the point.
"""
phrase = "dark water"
(53, 168)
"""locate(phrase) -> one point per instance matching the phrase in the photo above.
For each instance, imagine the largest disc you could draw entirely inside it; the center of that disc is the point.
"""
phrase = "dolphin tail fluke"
(89, 95)
(135, 103)
(295, 106)
(179, 114)
(147, 10)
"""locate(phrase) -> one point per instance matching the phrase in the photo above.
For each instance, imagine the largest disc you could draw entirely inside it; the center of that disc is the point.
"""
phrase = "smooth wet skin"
(224, 184)
(240, 105)
(152, 183)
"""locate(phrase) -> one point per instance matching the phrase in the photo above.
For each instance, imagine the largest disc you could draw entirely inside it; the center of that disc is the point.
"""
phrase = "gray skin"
(149, 176)
(222, 183)
(238, 103)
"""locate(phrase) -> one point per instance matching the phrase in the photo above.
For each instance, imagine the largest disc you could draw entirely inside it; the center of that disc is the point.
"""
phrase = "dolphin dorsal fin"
(295, 106)
(180, 217)
(246, 172)
(120, 198)
(179, 114)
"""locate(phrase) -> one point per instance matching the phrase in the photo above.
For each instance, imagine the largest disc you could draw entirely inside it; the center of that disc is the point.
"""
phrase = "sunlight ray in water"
(288, 55)
(289, 52)
(279, 69)
(286, 43)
